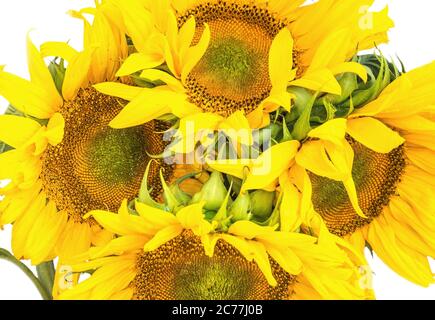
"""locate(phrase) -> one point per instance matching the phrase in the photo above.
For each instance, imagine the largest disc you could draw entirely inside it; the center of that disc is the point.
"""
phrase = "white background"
(412, 40)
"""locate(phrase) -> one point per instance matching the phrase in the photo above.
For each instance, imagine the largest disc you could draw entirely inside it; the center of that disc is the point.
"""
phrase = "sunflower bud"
(240, 209)
(381, 73)
(262, 203)
(181, 196)
(213, 192)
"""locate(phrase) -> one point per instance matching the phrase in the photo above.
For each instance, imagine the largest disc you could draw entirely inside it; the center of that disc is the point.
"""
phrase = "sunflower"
(369, 177)
(161, 255)
(65, 159)
(227, 64)
(392, 142)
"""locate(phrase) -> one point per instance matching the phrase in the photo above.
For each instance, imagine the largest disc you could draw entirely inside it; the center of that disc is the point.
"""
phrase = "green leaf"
(46, 273)
(6, 255)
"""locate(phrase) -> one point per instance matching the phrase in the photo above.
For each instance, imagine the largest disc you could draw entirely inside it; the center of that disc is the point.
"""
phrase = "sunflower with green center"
(228, 64)
(65, 160)
(183, 256)
(369, 177)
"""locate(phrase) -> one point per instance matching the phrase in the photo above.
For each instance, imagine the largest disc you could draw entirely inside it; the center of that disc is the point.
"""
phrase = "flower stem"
(6, 255)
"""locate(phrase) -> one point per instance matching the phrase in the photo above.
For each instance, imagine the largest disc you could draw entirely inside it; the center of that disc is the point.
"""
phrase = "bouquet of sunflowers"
(219, 149)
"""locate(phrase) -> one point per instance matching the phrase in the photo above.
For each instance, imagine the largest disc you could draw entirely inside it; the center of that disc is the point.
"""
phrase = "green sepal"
(144, 193)
(222, 216)
(57, 71)
(241, 208)
(303, 125)
(262, 203)
(171, 201)
(274, 219)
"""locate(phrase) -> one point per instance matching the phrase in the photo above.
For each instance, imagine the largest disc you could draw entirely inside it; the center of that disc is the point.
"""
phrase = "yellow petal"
(270, 165)
(120, 245)
(248, 229)
(119, 90)
(155, 217)
(25, 96)
(186, 35)
(259, 118)
(117, 224)
(289, 210)
(334, 131)
(314, 158)
(23, 226)
(241, 244)
(262, 259)
(148, 105)
(17, 131)
(234, 167)
(55, 129)
(76, 75)
(196, 126)
(321, 80)
(154, 75)
(374, 134)
(332, 51)
(237, 128)
(195, 53)
(138, 22)
(138, 62)
(58, 49)
(40, 75)
(163, 236)
(286, 258)
(351, 67)
(281, 60)
(192, 217)
(349, 184)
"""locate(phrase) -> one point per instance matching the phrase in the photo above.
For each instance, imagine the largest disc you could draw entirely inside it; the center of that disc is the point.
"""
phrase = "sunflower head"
(180, 270)
(233, 73)
(96, 166)
(187, 253)
(376, 176)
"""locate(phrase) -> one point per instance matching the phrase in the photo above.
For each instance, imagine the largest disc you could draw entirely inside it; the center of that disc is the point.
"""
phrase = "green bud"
(262, 203)
(303, 98)
(374, 62)
(348, 83)
(213, 192)
(240, 209)
(275, 131)
(181, 196)
(381, 73)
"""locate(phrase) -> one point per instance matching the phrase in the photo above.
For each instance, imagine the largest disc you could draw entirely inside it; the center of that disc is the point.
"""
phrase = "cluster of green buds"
(224, 203)
(311, 110)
